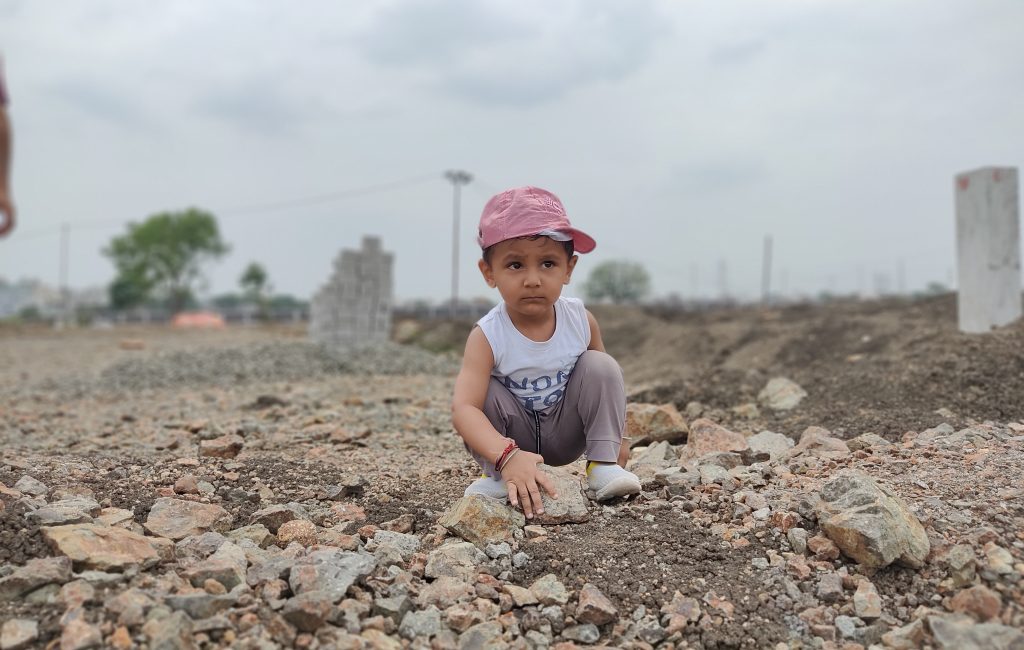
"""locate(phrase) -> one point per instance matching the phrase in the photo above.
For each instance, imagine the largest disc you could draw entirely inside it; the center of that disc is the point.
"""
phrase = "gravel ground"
(127, 427)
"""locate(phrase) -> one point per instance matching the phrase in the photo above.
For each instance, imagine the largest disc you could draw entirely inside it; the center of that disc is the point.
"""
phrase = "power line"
(237, 211)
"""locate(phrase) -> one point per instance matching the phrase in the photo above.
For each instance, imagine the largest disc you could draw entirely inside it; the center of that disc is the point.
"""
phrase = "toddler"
(536, 385)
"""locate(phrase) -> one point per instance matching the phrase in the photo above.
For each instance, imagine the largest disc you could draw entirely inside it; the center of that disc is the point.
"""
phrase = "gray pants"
(589, 418)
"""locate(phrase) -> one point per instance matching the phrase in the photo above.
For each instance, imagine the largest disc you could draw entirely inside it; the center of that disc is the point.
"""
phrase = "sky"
(679, 134)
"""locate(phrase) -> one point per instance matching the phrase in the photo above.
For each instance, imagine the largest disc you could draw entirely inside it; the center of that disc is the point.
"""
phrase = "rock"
(458, 560)
(830, 588)
(846, 626)
(75, 510)
(92, 546)
(394, 607)
(258, 534)
(647, 423)
(36, 573)
(199, 604)
(908, 637)
(549, 590)
(198, 547)
(869, 523)
(680, 611)
(521, 597)
(781, 394)
(482, 636)
(713, 474)
(330, 570)
(18, 633)
(677, 477)
(274, 517)
(866, 441)
(349, 485)
(406, 545)
(571, 506)
(979, 602)
(707, 437)
(227, 566)
(31, 486)
(959, 632)
(223, 447)
(342, 512)
(403, 524)
(79, 634)
(767, 445)
(797, 540)
(823, 548)
(116, 517)
(308, 611)
(187, 484)
(723, 459)
(422, 624)
(645, 462)
(171, 633)
(377, 640)
(583, 633)
(482, 520)
(297, 530)
(818, 442)
(445, 592)
(594, 607)
(176, 519)
(867, 604)
(76, 594)
(961, 563)
(998, 560)
(130, 606)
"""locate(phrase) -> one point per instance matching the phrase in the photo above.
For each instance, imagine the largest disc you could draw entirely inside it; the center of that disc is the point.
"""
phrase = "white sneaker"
(608, 481)
(486, 486)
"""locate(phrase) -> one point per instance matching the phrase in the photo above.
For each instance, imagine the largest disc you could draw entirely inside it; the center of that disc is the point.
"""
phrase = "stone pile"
(829, 525)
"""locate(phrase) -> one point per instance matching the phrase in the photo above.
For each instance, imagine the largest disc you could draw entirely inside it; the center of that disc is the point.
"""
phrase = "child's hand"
(522, 479)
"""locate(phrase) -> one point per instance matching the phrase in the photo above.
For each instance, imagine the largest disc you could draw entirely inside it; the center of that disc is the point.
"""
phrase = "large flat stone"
(571, 506)
(177, 519)
(869, 523)
(707, 437)
(35, 574)
(482, 520)
(647, 423)
(93, 546)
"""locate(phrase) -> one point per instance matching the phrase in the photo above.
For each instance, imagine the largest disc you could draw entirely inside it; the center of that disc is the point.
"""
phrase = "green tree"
(254, 281)
(255, 285)
(163, 255)
(618, 281)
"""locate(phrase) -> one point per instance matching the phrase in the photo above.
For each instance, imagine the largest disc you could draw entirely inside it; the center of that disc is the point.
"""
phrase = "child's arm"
(520, 473)
(596, 343)
(595, 334)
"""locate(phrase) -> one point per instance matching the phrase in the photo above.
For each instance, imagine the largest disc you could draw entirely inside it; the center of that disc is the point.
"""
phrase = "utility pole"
(766, 271)
(457, 178)
(65, 233)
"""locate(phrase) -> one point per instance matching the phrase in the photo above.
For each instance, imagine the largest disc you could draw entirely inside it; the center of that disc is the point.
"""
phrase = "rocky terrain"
(168, 489)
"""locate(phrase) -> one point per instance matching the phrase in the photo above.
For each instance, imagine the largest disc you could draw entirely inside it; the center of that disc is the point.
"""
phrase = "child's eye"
(515, 266)
(549, 264)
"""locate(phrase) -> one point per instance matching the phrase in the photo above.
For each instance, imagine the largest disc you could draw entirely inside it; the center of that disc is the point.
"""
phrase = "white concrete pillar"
(988, 248)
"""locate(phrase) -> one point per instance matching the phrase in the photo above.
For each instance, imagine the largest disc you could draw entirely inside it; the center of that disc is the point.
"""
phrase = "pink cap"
(525, 212)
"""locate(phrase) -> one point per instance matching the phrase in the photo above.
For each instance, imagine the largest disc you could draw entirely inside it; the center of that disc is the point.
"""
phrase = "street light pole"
(457, 178)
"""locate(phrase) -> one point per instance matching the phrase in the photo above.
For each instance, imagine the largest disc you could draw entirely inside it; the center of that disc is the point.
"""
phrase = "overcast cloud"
(678, 134)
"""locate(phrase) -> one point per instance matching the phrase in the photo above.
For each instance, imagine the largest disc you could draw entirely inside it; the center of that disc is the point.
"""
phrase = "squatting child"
(536, 385)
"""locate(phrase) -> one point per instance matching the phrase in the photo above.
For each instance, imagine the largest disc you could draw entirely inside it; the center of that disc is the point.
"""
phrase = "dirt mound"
(881, 366)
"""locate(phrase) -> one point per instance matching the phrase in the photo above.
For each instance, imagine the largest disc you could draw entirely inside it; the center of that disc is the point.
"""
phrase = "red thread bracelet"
(511, 445)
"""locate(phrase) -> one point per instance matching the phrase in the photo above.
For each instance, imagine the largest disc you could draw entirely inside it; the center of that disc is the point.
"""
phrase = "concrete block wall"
(988, 248)
(354, 307)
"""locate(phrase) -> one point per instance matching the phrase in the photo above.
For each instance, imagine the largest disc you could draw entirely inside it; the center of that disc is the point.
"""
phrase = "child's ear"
(570, 267)
(485, 270)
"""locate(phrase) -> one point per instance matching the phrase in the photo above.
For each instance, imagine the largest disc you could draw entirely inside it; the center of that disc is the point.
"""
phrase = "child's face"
(529, 273)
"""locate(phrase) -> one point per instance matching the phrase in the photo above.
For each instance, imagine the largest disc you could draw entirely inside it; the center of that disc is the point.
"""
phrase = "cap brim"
(581, 241)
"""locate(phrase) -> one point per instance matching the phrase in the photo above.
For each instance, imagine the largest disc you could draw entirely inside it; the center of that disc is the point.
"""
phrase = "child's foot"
(608, 481)
(488, 487)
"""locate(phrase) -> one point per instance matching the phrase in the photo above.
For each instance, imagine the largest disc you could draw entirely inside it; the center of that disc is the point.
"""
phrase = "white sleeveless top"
(536, 372)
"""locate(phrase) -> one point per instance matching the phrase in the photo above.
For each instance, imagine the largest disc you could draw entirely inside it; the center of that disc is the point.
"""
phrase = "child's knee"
(602, 364)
